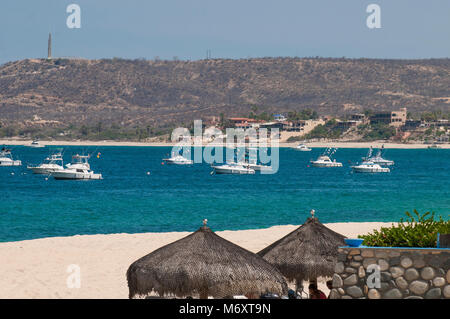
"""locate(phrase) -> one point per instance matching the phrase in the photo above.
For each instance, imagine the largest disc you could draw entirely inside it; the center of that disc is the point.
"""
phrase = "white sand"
(375, 144)
(38, 268)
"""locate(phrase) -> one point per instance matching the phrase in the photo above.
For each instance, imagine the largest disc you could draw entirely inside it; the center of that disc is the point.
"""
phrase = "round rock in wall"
(418, 287)
(401, 283)
(373, 294)
(406, 262)
(411, 274)
(396, 272)
(427, 273)
(446, 291)
(393, 294)
(354, 291)
(434, 293)
(438, 282)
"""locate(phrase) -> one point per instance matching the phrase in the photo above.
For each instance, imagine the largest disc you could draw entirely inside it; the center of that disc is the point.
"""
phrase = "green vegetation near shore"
(305, 114)
(333, 129)
(417, 231)
(330, 130)
(96, 132)
(379, 131)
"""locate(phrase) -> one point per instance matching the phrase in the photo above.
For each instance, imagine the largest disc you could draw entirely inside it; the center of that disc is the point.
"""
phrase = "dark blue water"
(176, 198)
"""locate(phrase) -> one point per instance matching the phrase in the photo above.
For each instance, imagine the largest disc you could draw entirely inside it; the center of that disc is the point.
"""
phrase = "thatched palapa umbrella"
(308, 252)
(203, 263)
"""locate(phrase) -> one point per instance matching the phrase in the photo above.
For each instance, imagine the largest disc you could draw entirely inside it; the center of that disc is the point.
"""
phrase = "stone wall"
(391, 273)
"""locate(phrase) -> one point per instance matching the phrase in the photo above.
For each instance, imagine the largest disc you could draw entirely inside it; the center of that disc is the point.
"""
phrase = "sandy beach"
(40, 268)
(375, 144)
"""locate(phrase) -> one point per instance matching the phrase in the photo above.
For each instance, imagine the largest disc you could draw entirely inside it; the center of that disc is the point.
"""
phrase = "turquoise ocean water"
(176, 198)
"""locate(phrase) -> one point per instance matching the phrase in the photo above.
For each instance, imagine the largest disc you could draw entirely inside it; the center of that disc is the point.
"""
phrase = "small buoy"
(12, 173)
(148, 173)
(46, 178)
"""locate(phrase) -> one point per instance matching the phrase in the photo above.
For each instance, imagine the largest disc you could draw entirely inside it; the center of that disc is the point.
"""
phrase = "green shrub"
(379, 131)
(416, 231)
(295, 139)
(330, 130)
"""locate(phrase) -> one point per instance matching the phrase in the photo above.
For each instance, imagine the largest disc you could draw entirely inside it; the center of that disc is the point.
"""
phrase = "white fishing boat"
(79, 162)
(233, 168)
(36, 143)
(325, 159)
(250, 160)
(79, 169)
(303, 148)
(177, 157)
(256, 167)
(434, 146)
(370, 167)
(51, 164)
(6, 158)
(76, 174)
(178, 160)
(377, 158)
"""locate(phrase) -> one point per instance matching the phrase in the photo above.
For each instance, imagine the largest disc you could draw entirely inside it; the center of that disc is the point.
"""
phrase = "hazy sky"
(229, 28)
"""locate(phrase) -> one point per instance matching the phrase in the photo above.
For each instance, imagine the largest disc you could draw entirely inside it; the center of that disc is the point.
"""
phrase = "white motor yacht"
(233, 168)
(303, 148)
(36, 143)
(325, 160)
(434, 146)
(250, 160)
(178, 160)
(78, 169)
(377, 159)
(370, 167)
(256, 167)
(51, 164)
(6, 158)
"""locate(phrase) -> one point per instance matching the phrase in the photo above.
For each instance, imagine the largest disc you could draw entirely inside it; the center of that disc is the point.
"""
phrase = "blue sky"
(230, 29)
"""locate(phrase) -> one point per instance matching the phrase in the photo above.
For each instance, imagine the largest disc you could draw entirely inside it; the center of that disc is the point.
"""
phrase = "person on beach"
(330, 286)
(292, 294)
(315, 293)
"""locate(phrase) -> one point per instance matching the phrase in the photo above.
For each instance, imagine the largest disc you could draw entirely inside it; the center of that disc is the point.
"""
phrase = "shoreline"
(333, 226)
(42, 268)
(374, 144)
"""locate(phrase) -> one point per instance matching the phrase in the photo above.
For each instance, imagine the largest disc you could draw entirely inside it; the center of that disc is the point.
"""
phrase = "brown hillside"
(158, 93)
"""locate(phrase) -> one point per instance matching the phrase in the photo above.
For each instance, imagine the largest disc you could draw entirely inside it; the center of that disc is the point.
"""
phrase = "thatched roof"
(203, 263)
(308, 252)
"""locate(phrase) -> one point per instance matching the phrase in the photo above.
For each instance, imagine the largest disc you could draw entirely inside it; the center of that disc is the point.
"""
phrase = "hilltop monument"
(49, 49)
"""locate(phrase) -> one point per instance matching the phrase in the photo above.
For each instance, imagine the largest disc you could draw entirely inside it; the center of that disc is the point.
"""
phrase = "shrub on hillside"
(379, 132)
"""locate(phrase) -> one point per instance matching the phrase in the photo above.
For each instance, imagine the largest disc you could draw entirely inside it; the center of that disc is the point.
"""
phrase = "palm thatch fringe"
(205, 264)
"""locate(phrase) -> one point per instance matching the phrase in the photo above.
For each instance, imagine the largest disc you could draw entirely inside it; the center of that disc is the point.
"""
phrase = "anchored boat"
(6, 158)
(51, 164)
(325, 159)
(36, 143)
(303, 148)
(78, 169)
(178, 160)
(377, 159)
(233, 168)
(370, 167)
